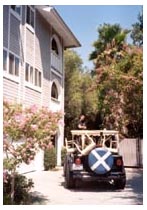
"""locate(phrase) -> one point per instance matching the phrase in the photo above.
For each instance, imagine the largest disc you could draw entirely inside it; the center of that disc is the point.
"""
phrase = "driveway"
(49, 189)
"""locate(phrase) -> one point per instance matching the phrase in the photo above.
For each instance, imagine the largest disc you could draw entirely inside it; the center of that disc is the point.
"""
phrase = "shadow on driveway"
(36, 198)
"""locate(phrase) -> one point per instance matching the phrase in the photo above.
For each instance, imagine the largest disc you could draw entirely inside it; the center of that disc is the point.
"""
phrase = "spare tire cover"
(100, 160)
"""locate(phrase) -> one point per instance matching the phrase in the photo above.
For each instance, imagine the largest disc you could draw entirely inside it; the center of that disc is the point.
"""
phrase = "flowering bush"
(25, 130)
(32, 126)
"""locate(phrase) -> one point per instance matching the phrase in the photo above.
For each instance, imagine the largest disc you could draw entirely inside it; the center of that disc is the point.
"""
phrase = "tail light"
(77, 161)
(119, 162)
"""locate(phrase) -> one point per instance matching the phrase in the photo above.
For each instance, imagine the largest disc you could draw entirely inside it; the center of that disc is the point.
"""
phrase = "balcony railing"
(56, 62)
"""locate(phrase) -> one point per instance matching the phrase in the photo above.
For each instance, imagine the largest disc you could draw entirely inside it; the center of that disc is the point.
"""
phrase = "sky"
(84, 20)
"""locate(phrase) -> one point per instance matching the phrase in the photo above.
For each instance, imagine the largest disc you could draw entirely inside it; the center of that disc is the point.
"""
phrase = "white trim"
(57, 40)
(11, 77)
(33, 87)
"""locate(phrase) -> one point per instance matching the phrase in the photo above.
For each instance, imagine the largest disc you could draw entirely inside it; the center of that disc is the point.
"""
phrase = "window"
(32, 75)
(55, 47)
(16, 66)
(13, 65)
(30, 16)
(54, 91)
(37, 78)
(5, 60)
(29, 73)
(16, 8)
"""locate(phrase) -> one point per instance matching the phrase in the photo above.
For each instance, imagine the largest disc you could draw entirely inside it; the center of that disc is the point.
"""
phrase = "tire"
(120, 184)
(69, 181)
(64, 169)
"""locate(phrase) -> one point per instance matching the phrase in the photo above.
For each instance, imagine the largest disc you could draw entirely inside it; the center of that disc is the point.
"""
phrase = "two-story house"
(34, 39)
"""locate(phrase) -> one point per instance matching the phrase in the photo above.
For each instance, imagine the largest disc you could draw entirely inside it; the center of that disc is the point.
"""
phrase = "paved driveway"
(49, 189)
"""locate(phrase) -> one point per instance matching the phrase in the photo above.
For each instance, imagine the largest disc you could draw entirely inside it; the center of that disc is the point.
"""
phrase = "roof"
(55, 20)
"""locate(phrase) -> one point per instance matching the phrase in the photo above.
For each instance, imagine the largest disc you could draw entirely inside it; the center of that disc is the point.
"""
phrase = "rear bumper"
(86, 176)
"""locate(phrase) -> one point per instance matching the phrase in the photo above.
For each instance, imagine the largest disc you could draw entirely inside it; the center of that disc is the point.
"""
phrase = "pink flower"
(34, 127)
(34, 108)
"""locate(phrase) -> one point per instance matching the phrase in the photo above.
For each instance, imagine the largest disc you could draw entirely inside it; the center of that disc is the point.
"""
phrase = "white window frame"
(56, 91)
(55, 81)
(31, 78)
(6, 73)
(14, 65)
(57, 41)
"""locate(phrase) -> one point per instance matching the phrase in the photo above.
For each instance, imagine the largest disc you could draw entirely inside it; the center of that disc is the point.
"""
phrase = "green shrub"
(21, 190)
(50, 158)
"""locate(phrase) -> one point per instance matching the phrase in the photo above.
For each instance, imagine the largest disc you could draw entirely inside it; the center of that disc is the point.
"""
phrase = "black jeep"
(93, 155)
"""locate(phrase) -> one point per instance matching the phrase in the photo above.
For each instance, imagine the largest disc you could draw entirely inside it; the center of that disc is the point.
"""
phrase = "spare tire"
(100, 160)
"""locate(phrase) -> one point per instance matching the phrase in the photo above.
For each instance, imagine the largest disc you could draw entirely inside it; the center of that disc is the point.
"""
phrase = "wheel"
(120, 184)
(64, 168)
(69, 181)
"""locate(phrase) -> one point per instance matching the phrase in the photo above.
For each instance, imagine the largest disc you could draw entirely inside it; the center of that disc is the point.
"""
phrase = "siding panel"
(29, 47)
(46, 94)
(32, 97)
(10, 90)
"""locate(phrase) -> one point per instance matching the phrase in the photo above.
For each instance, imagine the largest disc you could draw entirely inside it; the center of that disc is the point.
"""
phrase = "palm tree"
(109, 46)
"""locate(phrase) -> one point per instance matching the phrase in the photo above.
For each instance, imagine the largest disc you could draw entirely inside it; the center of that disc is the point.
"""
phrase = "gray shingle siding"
(5, 25)
(42, 40)
(54, 76)
(42, 55)
(15, 35)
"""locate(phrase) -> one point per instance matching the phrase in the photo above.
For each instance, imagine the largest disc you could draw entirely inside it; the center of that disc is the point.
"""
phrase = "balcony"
(56, 62)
